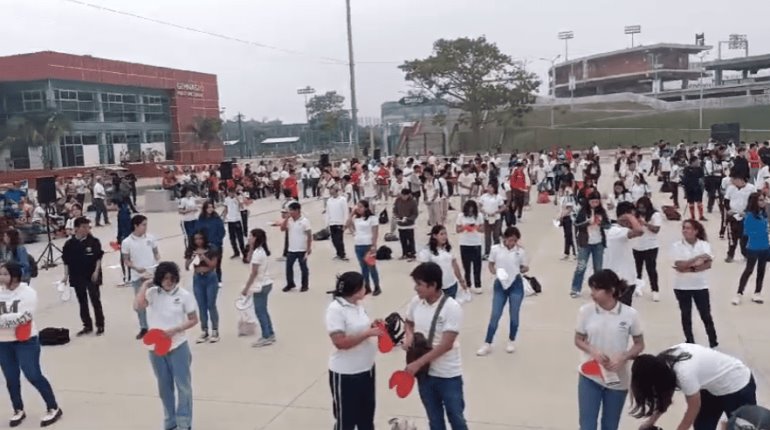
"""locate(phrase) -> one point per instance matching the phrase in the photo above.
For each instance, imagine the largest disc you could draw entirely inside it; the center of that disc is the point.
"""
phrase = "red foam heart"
(592, 368)
(384, 342)
(403, 381)
(158, 338)
(470, 228)
(24, 332)
(115, 245)
(370, 259)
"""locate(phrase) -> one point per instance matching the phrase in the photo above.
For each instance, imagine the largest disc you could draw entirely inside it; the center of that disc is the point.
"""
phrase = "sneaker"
(261, 342)
(17, 418)
(484, 350)
(564, 258)
(477, 290)
(204, 337)
(214, 338)
(84, 332)
(288, 288)
(511, 347)
(729, 259)
(703, 219)
(485, 257)
(757, 298)
(377, 291)
(99, 331)
(574, 294)
(304, 289)
(655, 296)
(51, 417)
(141, 334)
(737, 299)
(219, 284)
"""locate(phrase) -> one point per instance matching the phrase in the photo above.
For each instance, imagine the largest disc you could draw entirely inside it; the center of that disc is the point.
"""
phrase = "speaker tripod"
(47, 257)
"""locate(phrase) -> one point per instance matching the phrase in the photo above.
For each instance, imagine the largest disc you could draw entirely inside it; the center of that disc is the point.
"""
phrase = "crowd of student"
(617, 230)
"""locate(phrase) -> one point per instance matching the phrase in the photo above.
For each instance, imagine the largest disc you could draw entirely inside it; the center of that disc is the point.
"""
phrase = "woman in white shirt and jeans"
(365, 227)
(439, 251)
(351, 365)
(470, 229)
(602, 334)
(712, 382)
(259, 285)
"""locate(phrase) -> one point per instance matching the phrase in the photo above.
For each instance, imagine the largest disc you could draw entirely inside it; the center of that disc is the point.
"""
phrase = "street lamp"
(566, 36)
(308, 90)
(552, 86)
(352, 64)
(632, 30)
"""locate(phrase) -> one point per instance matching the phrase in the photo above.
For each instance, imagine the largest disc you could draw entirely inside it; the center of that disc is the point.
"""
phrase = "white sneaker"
(17, 418)
(511, 347)
(655, 296)
(214, 338)
(484, 350)
(50, 417)
(757, 298)
(204, 337)
(477, 290)
(737, 299)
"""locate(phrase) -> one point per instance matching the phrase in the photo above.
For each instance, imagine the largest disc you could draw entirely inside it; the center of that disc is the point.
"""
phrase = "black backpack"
(322, 234)
(51, 336)
(384, 219)
(384, 253)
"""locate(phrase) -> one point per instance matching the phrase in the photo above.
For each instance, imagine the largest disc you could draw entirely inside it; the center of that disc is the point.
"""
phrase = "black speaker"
(324, 161)
(726, 132)
(226, 170)
(46, 190)
(377, 154)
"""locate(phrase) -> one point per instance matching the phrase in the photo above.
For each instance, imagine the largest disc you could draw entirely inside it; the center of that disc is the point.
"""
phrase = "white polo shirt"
(739, 198)
(465, 180)
(364, 230)
(682, 251)
(609, 331)
(449, 365)
(444, 260)
(470, 238)
(140, 251)
(396, 187)
(167, 310)
(298, 233)
(233, 209)
(508, 259)
(337, 210)
(259, 257)
(99, 192)
(649, 240)
(619, 255)
(489, 205)
(189, 204)
(710, 370)
(345, 317)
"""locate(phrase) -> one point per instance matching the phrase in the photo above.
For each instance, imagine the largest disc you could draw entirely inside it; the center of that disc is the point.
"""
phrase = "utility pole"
(353, 102)
(240, 134)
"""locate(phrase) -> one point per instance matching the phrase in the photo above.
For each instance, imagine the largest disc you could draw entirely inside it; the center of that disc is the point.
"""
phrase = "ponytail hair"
(608, 280)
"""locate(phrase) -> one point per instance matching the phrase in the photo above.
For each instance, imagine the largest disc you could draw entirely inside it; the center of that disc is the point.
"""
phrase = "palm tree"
(207, 130)
(38, 130)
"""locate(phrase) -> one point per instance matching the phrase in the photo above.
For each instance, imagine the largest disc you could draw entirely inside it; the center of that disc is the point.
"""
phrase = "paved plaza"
(107, 382)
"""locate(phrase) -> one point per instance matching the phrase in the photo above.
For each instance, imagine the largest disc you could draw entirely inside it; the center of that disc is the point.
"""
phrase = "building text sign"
(189, 89)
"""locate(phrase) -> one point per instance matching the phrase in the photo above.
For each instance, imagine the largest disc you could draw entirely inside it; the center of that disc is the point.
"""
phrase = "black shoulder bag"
(420, 345)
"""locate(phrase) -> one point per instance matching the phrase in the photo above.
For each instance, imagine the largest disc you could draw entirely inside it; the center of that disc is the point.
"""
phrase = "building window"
(156, 136)
(120, 107)
(72, 151)
(78, 106)
(19, 155)
(33, 101)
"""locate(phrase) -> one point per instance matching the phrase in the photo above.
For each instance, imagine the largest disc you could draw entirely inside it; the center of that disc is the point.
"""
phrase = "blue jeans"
(206, 288)
(438, 394)
(366, 270)
(514, 296)
(141, 313)
(451, 291)
(596, 252)
(173, 370)
(17, 357)
(260, 308)
(592, 397)
(292, 257)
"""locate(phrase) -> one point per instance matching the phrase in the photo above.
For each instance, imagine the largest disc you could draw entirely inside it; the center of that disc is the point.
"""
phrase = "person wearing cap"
(351, 365)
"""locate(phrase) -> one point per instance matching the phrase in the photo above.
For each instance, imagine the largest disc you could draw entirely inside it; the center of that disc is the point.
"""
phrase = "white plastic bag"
(464, 296)
(640, 285)
(65, 291)
(528, 291)
(247, 316)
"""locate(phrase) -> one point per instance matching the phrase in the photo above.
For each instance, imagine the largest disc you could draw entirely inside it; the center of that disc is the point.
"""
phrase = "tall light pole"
(352, 64)
(700, 83)
(566, 36)
(308, 90)
(632, 30)
(552, 86)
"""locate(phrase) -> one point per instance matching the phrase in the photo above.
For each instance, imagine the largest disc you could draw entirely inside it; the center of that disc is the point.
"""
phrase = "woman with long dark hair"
(13, 250)
(619, 194)
(259, 285)
(692, 257)
(213, 227)
(439, 251)
(602, 335)
(755, 228)
(365, 227)
(19, 355)
(203, 257)
(646, 247)
(590, 225)
(470, 229)
(712, 382)
(639, 188)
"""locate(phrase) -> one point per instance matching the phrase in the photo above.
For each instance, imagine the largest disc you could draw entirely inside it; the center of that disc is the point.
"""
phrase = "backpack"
(51, 336)
(384, 217)
(32, 266)
(534, 284)
(671, 213)
(384, 253)
(322, 234)
(391, 237)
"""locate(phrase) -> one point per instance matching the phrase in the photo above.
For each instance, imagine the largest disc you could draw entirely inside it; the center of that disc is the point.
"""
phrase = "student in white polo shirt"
(140, 254)
(602, 334)
(712, 382)
(351, 365)
(619, 253)
(441, 386)
(170, 308)
(736, 200)
(507, 262)
(439, 251)
(299, 239)
(336, 215)
(470, 228)
(693, 257)
(491, 205)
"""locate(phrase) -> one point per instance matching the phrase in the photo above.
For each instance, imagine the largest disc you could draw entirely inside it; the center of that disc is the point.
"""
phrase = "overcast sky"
(262, 83)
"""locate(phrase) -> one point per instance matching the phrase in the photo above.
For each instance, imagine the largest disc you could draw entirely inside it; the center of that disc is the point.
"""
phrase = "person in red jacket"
(383, 181)
(518, 188)
(290, 184)
(754, 162)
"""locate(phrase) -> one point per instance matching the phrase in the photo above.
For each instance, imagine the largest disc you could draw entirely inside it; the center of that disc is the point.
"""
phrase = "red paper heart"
(592, 368)
(158, 338)
(403, 382)
(24, 332)
(384, 342)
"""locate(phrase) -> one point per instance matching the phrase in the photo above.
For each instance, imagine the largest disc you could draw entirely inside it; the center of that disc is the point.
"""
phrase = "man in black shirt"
(82, 255)
(741, 165)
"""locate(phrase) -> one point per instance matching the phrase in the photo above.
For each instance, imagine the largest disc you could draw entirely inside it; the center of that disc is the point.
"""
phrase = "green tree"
(207, 130)
(39, 130)
(327, 111)
(475, 76)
